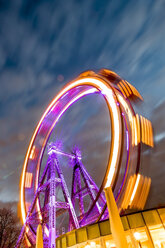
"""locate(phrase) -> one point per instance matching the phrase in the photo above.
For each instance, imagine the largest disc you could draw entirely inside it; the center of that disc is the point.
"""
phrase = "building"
(143, 229)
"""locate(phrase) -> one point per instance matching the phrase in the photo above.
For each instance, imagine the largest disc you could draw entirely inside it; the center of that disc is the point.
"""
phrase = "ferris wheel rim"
(96, 82)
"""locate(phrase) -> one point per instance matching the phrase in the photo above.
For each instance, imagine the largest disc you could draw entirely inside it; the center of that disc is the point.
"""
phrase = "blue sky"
(44, 44)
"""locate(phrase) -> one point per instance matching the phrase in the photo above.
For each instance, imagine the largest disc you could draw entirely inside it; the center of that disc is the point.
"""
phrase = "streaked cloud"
(45, 44)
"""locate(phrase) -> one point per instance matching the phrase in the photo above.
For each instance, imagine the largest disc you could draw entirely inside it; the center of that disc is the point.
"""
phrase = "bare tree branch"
(9, 228)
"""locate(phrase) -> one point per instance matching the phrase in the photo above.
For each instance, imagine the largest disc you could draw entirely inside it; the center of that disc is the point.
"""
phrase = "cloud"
(153, 162)
(42, 40)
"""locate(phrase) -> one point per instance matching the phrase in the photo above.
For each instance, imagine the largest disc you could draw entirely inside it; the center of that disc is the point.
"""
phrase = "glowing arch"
(116, 93)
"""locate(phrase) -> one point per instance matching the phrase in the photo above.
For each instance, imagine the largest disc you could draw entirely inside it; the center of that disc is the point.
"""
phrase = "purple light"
(127, 137)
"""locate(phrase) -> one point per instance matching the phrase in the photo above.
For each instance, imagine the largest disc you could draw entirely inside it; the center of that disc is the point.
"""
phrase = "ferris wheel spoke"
(83, 202)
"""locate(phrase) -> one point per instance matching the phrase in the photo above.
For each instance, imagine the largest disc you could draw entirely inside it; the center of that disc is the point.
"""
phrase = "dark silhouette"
(9, 228)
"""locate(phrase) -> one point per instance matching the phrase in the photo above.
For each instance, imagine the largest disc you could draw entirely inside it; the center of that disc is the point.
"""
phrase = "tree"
(9, 228)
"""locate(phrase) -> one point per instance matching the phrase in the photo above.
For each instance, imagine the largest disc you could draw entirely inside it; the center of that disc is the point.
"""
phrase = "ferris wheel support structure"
(128, 131)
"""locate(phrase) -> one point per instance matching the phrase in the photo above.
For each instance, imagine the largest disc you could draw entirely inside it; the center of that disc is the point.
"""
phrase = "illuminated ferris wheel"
(45, 196)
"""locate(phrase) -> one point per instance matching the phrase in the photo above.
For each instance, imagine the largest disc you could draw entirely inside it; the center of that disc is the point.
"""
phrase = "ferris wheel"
(45, 196)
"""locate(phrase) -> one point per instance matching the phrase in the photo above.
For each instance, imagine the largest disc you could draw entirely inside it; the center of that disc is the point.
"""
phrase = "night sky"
(44, 44)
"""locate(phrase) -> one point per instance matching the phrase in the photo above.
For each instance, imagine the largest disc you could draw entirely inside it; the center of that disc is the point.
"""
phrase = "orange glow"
(44, 143)
(146, 130)
(135, 189)
(135, 91)
(27, 241)
(109, 73)
(144, 192)
(136, 192)
(138, 128)
(138, 233)
(148, 185)
(126, 107)
(135, 131)
(116, 125)
(135, 128)
(142, 128)
(141, 200)
(121, 89)
(128, 89)
(32, 154)
(124, 88)
(128, 191)
(127, 86)
(136, 203)
(140, 192)
(151, 135)
(28, 180)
